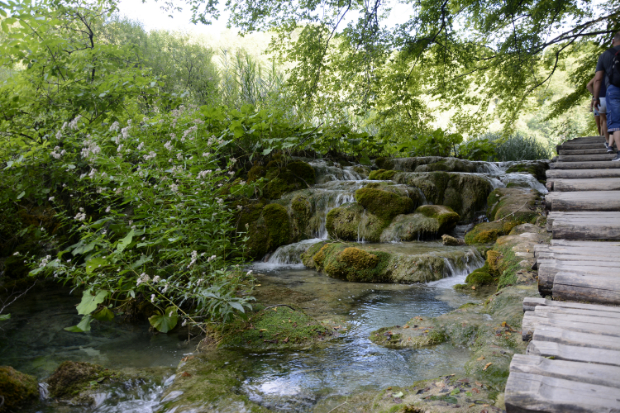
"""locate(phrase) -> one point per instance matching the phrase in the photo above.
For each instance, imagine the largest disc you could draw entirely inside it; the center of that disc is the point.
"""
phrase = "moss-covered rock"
(487, 232)
(276, 327)
(352, 264)
(301, 213)
(481, 276)
(383, 204)
(535, 168)
(307, 258)
(287, 178)
(466, 194)
(428, 221)
(267, 227)
(344, 222)
(17, 389)
(381, 175)
(427, 164)
(517, 204)
(451, 241)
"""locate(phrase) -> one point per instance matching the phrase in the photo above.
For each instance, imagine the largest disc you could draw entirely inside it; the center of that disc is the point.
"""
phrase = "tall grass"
(517, 147)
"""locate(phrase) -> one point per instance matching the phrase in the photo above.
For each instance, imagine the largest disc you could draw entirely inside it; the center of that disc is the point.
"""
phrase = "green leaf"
(165, 322)
(82, 327)
(4, 317)
(20, 196)
(90, 302)
(104, 315)
(237, 306)
(95, 263)
(122, 244)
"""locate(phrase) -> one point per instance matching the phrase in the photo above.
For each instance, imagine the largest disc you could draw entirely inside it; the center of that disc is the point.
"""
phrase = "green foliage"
(436, 143)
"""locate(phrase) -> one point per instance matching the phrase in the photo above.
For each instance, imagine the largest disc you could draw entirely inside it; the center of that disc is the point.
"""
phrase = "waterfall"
(287, 255)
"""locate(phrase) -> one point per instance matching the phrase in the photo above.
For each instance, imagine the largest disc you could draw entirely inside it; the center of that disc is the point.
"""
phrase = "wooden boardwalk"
(572, 363)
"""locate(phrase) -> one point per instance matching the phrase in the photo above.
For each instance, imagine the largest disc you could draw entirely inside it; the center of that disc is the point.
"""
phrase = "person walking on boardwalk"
(605, 71)
(600, 115)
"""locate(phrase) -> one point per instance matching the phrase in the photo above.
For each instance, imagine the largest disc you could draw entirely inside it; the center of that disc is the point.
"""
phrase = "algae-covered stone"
(267, 227)
(287, 178)
(301, 213)
(276, 327)
(427, 164)
(481, 276)
(17, 388)
(383, 204)
(535, 168)
(466, 194)
(307, 258)
(428, 221)
(344, 222)
(516, 204)
(381, 175)
(488, 232)
(351, 263)
(451, 241)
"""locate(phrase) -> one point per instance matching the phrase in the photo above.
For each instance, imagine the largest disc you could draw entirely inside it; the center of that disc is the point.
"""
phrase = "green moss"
(274, 327)
(17, 388)
(445, 215)
(383, 204)
(301, 213)
(381, 175)
(385, 163)
(303, 171)
(308, 257)
(488, 232)
(537, 169)
(276, 219)
(257, 171)
(481, 276)
(282, 179)
(343, 222)
(352, 264)
(72, 378)
(519, 204)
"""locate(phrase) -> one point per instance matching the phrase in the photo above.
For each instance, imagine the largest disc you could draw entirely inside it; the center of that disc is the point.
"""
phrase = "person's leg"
(613, 117)
(602, 110)
(597, 119)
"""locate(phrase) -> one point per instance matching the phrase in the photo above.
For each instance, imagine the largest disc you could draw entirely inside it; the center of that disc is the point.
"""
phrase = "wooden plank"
(573, 353)
(600, 263)
(596, 149)
(582, 173)
(585, 256)
(533, 302)
(554, 312)
(586, 158)
(591, 373)
(572, 243)
(599, 289)
(531, 322)
(575, 338)
(606, 230)
(577, 146)
(584, 201)
(602, 184)
(547, 272)
(585, 165)
(533, 393)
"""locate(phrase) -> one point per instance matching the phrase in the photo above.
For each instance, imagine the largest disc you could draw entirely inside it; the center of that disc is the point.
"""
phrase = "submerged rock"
(451, 241)
(17, 389)
(428, 221)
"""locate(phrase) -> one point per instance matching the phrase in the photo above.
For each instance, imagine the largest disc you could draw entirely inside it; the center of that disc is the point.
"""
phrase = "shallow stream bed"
(34, 341)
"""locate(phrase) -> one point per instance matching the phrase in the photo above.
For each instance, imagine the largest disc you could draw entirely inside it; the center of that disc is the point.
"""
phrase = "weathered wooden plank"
(602, 184)
(599, 289)
(533, 393)
(582, 173)
(591, 373)
(571, 243)
(576, 338)
(586, 158)
(547, 272)
(607, 246)
(555, 312)
(584, 256)
(583, 145)
(584, 201)
(585, 230)
(531, 322)
(530, 303)
(585, 165)
(596, 149)
(573, 353)
(569, 262)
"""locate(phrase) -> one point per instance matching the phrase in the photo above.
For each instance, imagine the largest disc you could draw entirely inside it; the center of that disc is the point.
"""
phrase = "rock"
(525, 228)
(282, 178)
(451, 241)
(381, 174)
(428, 164)
(488, 232)
(343, 222)
(268, 227)
(535, 168)
(17, 388)
(383, 202)
(352, 264)
(515, 204)
(466, 194)
(73, 377)
(428, 221)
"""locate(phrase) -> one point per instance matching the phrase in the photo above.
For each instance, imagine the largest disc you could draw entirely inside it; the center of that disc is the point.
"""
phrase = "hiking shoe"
(617, 158)
(609, 149)
(607, 145)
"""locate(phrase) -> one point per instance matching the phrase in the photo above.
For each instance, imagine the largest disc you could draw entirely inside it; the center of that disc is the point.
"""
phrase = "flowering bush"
(141, 202)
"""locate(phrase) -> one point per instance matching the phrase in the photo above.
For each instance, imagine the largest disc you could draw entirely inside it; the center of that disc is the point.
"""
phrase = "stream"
(34, 341)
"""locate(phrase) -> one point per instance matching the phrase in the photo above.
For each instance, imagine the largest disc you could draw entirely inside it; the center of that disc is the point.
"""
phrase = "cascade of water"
(326, 173)
(455, 272)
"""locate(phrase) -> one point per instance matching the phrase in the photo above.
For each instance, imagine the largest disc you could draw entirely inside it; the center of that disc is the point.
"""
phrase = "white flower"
(141, 146)
(51, 198)
(174, 187)
(156, 279)
(179, 156)
(107, 209)
(80, 216)
(168, 145)
(74, 123)
(206, 154)
(184, 323)
(143, 278)
(239, 207)
(231, 173)
(114, 127)
(233, 160)
(219, 200)
(249, 272)
(151, 155)
(211, 258)
(125, 132)
(16, 253)
(120, 148)
(152, 298)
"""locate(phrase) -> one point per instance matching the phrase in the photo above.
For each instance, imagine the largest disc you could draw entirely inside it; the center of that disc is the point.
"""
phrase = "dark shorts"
(613, 108)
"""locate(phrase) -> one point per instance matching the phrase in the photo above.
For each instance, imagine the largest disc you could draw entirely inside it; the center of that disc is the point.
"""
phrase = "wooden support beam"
(571, 185)
(585, 165)
(586, 158)
(600, 289)
(582, 173)
(584, 201)
(575, 338)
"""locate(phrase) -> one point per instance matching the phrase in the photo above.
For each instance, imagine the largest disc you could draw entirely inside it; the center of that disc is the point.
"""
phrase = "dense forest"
(143, 168)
